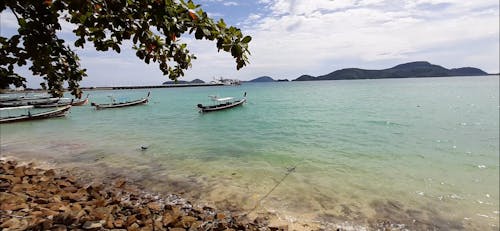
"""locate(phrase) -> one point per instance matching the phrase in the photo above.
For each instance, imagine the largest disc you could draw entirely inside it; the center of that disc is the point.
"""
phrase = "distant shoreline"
(123, 87)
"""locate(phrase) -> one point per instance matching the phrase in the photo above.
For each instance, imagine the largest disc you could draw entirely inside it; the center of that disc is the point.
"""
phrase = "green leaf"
(246, 39)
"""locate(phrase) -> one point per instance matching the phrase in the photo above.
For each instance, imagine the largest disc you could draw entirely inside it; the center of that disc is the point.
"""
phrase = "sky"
(315, 37)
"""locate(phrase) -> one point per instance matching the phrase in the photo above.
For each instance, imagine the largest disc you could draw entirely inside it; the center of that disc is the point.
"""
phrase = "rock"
(187, 221)
(118, 223)
(130, 220)
(92, 225)
(168, 219)
(154, 206)
(279, 228)
(49, 173)
(31, 172)
(120, 183)
(19, 171)
(59, 228)
(133, 227)
(220, 216)
(12, 179)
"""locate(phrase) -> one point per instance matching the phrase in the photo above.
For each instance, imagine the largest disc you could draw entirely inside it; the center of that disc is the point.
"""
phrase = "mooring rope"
(288, 172)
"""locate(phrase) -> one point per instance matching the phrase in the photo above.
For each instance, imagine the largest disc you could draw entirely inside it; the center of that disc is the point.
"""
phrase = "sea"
(416, 153)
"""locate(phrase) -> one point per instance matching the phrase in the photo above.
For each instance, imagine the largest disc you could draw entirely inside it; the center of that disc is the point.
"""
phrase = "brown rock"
(154, 206)
(92, 225)
(133, 227)
(187, 221)
(47, 212)
(177, 229)
(71, 189)
(19, 171)
(12, 179)
(31, 171)
(49, 173)
(120, 183)
(144, 212)
(59, 228)
(130, 220)
(109, 223)
(12, 224)
(100, 213)
(220, 216)
(13, 207)
(118, 223)
(279, 228)
(158, 225)
(168, 219)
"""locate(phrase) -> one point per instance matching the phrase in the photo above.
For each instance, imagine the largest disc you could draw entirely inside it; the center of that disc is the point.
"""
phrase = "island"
(406, 70)
(183, 82)
(262, 79)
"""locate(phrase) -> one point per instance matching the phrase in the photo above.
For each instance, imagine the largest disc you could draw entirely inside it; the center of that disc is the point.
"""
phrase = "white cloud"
(317, 37)
(230, 4)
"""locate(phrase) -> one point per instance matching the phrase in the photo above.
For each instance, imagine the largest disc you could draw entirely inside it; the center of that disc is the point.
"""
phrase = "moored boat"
(80, 102)
(58, 112)
(222, 103)
(122, 104)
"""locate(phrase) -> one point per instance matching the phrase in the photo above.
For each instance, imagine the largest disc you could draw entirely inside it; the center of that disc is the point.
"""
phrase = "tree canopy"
(153, 26)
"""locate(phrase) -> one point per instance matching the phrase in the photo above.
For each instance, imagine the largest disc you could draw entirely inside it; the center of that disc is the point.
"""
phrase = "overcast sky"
(316, 37)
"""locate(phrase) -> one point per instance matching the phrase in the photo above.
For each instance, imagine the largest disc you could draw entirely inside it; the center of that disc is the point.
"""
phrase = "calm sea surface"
(410, 151)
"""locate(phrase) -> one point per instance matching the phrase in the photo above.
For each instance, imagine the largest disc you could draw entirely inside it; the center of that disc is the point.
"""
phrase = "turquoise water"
(411, 151)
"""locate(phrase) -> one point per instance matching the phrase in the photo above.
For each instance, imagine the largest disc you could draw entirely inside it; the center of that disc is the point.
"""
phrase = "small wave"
(481, 166)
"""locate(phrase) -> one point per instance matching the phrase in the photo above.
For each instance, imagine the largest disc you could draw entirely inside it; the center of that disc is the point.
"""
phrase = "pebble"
(58, 201)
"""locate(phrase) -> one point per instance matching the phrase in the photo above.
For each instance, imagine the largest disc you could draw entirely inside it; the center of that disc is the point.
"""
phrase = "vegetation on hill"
(262, 79)
(407, 70)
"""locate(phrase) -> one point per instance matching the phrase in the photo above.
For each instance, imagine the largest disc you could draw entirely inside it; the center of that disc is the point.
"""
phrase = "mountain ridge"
(416, 69)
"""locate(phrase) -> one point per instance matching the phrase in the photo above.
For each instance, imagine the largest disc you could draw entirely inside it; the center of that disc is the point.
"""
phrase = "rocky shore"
(33, 198)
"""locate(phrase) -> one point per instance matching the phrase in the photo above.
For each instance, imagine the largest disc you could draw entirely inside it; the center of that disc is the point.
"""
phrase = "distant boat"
(42, 115)
(226, 81)
(222, 103)
(122, 104)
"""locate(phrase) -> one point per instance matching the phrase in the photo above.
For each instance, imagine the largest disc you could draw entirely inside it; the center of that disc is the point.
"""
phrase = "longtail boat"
(81, 102)
(59, 112)
(222, 103)
(122, 104)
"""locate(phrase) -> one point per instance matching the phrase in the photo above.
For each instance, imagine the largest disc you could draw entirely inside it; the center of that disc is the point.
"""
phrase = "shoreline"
(130, 196)
(41, 197)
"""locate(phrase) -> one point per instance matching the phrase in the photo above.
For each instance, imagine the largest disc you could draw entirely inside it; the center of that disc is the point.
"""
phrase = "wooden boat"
(42, 115)
(122, 104)
(60, 104)
(80, 102)
(26, 102)
(222, 103)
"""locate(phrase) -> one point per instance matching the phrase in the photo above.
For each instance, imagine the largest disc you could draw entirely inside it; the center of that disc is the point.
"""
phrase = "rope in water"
(288, 172)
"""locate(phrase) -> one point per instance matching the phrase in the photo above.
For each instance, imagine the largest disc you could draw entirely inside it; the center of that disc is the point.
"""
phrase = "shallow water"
(419, 152)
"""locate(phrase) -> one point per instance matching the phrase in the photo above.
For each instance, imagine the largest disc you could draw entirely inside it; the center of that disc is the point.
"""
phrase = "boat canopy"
(224, 99)
(19, 107)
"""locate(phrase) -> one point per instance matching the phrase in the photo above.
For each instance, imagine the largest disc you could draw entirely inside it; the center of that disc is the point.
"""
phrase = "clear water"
(404, 150)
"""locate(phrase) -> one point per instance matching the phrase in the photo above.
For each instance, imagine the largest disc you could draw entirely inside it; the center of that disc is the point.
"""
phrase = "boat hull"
(220, 107)
(119, 105)
(43, 115)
